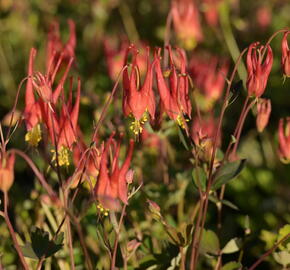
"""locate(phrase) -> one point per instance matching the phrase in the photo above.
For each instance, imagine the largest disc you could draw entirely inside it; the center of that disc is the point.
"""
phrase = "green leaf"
(230, 204)
(182, 138)
(199, 178)
(232, 266)
(227, 172)
(225, 202)
(282, 233)
(269, 238)
(233, 139)
(175, 237)
(40, 245)
(209, 243)
(282, 257)
(28, 251)
(232, 246)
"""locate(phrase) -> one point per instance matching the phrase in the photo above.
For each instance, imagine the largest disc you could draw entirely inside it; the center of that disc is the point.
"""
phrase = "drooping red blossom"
(41, 108)
(258, 69)
(151, 140)
(285, 55)
(115, 56)
(56, 48)
(7, 161)
(112, 185)
(137, 98)
(62, 128)
(203, 132)
(87, 158)
(264, 17)
(116, 53)
(43, 84)
(209, 75)
(284, 140)
(69, 119)
(174, 94)
(211, 12)
(263, 114)
(186, 22)
(204, 129)
(86, 161)
(32, 112)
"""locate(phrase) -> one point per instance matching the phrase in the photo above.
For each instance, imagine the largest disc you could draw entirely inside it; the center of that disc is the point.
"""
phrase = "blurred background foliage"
(260, 193)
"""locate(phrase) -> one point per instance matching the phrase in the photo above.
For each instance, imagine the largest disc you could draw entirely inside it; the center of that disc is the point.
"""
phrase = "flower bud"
(7, 172)
(263, 114)
(285, 55)
(284, 140)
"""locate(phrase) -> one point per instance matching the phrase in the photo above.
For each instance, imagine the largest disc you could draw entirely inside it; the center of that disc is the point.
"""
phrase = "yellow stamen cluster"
(136, 125)
(181, 121)
(103, 210)
(33, 136)
(62, 155)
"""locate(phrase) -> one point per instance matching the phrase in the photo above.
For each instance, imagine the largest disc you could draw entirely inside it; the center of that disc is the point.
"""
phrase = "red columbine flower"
(263, 113)
(87, 163)
(56, 48)
(113, 185)
(6, 171)
(115, 57)
(263, 17)
(37, 109)
(258, 72)
(137, 99)
(174, 96)
(203, 132)
(284, 140)
(211, 12)
(43, 83)
(32, 111)
(63, 129)
(285, 55)
(186, 22)
(209, 75)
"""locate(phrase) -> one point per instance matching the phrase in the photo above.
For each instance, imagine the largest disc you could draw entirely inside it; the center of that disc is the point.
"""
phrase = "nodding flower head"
(87, 163)
(32, 111)
(7, 161)
(284, 140)
(211, 12)
(56, 48)
(186, 22)
(258, 68)
(203, 132)
(113, 185)
(263, 113)
(138, 100)
(174, 94)
(63, 133)
(285, 55)
(209, 75)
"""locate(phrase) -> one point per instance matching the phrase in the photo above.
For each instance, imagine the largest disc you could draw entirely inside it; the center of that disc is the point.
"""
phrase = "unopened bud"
(263, 114)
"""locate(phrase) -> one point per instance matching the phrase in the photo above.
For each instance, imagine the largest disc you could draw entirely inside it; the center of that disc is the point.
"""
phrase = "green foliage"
(209, 242)
(227, 173)
(41, 246)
